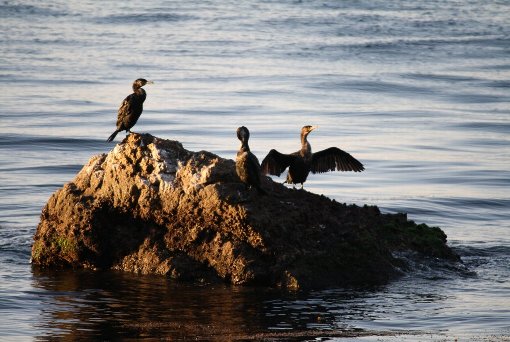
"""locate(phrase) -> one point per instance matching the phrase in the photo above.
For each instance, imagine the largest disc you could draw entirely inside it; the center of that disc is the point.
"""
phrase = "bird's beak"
(314, 127)
(150, 82)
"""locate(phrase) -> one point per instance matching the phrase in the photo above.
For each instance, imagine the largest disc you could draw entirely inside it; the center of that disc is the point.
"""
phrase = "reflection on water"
(113, 305)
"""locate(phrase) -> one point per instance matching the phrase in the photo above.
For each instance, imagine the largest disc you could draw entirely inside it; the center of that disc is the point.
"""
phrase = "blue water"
(418, 91)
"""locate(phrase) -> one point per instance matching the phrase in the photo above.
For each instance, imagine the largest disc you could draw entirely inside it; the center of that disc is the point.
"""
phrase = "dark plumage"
(300, 163)
(247, 164)
(131, 108)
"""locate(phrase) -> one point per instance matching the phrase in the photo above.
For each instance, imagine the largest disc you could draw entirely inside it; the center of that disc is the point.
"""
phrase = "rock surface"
(152, 207)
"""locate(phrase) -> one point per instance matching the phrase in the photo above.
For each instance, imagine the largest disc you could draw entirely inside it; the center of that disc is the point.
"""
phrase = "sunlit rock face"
(152, 207)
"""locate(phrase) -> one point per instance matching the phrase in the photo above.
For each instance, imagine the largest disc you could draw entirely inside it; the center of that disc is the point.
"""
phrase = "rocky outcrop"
(152, 207)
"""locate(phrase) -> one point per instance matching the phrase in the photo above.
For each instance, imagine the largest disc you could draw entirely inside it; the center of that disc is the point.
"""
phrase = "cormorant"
(247, 164)
(300, 163)
(131, 108)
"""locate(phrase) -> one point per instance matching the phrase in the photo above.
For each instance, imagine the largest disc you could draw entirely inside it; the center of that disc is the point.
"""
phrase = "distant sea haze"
(417, 91)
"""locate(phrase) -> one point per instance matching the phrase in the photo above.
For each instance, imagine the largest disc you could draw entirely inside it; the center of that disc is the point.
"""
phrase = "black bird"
(247, 164)
(131, 108)
(300, 163)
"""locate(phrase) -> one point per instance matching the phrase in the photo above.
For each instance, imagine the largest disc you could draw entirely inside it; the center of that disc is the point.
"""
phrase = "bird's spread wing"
(275, 162)
(332, 159)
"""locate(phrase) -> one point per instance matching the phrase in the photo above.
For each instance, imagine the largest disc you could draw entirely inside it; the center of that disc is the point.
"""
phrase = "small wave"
(433, 268)
(468, 204)
(498, 67)
(440, 77)
(376, 86)
(25, 139)
(478, 98)
(48, 143)
(498, 84)
(144, 18)
(49, 169)
(8, 10)
(36, 79)
(402, 44)
(495, 127)
(483, 251)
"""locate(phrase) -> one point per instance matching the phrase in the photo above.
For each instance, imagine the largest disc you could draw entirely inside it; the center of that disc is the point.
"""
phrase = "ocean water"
(419, 91)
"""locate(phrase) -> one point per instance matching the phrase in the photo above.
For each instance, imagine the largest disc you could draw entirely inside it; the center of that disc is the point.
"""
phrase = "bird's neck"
(138, 90)
(244, 146)
(306, 149)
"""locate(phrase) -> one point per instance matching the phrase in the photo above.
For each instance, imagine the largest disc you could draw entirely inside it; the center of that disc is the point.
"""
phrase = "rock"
(152, 207)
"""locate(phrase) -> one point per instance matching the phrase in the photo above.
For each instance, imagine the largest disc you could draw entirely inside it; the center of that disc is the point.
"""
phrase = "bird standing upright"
(131, 108)
(300, 163)
(247, 164)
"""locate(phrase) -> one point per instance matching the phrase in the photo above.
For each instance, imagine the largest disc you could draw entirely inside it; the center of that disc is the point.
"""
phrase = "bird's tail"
(114, 134)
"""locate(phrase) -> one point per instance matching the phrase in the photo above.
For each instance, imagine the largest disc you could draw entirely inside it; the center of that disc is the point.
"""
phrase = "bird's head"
(141, 82)
(307, 129)
(243, 134)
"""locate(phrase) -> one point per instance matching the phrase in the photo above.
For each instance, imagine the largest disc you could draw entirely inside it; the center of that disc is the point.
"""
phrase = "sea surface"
(419, 91)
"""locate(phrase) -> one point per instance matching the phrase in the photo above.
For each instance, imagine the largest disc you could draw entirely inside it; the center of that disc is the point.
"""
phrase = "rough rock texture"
(152, 207)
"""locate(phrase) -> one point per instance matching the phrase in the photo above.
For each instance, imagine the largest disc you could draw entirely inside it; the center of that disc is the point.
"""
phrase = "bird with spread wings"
(302, 162)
